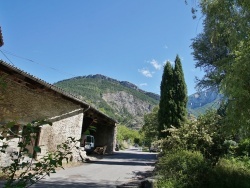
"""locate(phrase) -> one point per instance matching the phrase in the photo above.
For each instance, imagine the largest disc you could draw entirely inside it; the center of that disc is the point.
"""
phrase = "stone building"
(25, 98)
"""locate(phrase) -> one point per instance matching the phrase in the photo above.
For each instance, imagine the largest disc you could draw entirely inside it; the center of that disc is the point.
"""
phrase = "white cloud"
(155, 64)
(146, 72)
(143, 84)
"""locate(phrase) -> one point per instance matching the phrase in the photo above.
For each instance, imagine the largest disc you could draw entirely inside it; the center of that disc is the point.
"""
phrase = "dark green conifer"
(173, 102)
(166, 102)
(180, 94)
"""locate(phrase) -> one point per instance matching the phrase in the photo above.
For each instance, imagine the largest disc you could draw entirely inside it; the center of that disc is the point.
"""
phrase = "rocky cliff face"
(202, 98)
(120, 100)
(126, 103)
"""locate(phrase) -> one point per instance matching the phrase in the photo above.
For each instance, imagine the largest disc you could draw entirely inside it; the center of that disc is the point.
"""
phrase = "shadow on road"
(124, 158)
(143, 156)
(130, 163)
(56, 184)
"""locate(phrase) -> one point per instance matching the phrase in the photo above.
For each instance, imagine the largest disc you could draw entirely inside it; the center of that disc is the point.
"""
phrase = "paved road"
(112, 170)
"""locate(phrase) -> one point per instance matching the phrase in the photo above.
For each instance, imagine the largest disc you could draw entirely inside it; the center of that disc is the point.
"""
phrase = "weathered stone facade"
(23, 104)
(67, 125)
(24, 98)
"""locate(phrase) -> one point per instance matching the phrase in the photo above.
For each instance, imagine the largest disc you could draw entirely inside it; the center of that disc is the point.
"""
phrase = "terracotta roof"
(34, 80)
(1, 38)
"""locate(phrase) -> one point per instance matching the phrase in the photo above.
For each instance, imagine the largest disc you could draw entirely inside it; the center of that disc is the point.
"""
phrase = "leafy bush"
(205, 135)
(244, 147)
(182, 168)
(129, 135)
(150, 127)
(230, 173)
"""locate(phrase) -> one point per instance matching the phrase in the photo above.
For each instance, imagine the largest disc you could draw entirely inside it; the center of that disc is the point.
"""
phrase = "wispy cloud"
(155, 64)
(166, 47)
(146, 72)
(143, 84)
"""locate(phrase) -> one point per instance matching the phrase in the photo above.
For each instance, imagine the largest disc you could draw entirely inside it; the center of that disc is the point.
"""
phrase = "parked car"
(89, 143)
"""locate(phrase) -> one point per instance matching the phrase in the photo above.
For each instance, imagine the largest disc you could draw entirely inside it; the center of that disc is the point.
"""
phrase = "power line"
(10, 53)
(6, 57)
(30, 60)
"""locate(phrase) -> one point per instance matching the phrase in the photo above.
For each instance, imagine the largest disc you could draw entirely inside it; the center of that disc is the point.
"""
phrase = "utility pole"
(1, 38)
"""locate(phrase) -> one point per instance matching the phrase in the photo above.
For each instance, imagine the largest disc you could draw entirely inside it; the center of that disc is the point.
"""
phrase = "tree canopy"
(222, 51)
(173, 102)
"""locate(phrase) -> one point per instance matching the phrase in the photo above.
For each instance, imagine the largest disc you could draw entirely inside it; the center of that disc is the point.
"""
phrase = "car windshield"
(88, 139)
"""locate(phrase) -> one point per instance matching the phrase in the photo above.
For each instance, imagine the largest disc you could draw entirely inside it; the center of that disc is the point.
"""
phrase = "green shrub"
(230, 173)
(182, 168)
(244, 147)
(205, 135)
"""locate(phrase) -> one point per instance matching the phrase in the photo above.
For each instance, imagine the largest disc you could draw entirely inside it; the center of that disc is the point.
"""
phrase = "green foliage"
(182, 168)
(167, 105)
(222, 50)
(213, 153)
(230, 173)
(243, 148)
(236, 87)
(173, 102)
(90, 129)
(24, 173)
(93, 89)
(180, 94)
(129, 135)
(205, 135)
(150, 127)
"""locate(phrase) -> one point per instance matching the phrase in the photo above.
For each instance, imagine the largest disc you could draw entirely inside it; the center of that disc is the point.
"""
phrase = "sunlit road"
(112, 170)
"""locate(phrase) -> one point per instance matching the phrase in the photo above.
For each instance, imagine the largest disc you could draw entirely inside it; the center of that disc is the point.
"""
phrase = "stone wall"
(67, 125)
(24, 100)
(24, 104)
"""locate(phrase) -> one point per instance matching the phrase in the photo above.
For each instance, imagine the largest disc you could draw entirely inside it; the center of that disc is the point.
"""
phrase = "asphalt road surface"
(110, 171)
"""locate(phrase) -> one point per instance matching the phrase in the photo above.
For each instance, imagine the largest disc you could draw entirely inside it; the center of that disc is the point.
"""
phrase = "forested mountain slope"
(125, 102)
(120, 100)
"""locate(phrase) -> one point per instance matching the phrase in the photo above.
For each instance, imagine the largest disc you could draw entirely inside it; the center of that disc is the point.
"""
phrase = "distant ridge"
(200, 102)
(124, 83)
(125, 102)
(120, 100)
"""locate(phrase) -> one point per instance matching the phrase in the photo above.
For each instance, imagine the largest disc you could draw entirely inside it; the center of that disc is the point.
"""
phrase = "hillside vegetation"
(125, 102)
(122, 101)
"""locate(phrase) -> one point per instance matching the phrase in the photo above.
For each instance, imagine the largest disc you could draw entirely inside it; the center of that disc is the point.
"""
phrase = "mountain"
(120, 100)
(199, 102)
(125, 102)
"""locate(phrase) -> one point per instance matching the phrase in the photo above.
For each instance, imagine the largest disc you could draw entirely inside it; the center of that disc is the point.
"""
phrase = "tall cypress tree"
(180, 94)
(166, 102)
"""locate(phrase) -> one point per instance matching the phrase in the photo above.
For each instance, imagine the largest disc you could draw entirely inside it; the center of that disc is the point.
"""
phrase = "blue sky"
(128, 40)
